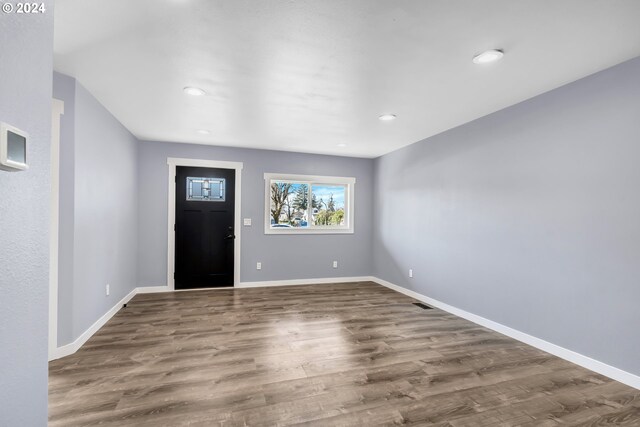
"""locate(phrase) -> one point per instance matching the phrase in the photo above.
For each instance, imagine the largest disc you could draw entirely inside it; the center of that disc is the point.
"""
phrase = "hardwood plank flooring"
(326, 355)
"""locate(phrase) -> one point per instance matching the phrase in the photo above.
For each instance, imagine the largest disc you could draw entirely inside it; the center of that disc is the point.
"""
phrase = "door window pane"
(205, 189)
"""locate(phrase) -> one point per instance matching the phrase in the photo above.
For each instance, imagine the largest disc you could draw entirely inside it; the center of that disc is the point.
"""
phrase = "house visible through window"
(308, 204)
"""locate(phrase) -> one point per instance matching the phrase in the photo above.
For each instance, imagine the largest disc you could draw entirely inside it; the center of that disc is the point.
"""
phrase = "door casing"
(56, 111)
(173, 162)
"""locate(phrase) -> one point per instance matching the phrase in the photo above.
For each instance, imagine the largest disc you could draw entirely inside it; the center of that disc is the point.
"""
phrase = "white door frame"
(57, 109)
(173, 162)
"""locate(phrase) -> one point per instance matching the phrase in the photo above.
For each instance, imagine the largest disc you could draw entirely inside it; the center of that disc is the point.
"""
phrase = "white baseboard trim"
(566, 354)
(71, 348)
(297, 282)
(563, 353)
(152, 289)
(159, 289)
(263, 284)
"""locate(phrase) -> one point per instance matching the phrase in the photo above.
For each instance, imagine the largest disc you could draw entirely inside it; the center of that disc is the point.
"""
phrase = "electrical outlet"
(335, 264)
(107, 290)
(259, 266)
(247, 222)
(411, 272)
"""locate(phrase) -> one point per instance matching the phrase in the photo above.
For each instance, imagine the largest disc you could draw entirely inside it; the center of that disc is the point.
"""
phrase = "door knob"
(230, 237)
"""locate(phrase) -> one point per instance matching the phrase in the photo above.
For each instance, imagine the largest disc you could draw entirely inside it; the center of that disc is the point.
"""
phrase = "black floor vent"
(422, 306)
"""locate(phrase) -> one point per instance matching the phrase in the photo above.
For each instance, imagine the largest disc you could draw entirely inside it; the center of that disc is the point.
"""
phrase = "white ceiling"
(306, 75)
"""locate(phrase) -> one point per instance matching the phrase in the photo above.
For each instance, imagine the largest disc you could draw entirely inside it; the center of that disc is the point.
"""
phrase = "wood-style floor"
(325, 355)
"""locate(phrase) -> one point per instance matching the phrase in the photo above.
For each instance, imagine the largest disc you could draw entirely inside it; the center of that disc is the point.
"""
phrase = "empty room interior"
(320, 212)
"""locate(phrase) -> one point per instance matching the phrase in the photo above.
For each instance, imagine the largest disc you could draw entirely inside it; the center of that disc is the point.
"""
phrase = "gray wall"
(25, 101)
(529, 217)
(282, 257)
(99, 199)
(64, 88)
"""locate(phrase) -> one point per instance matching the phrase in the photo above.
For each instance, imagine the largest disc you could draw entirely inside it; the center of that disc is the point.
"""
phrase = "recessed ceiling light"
(342, 144)
(195, 91)
(488, 56)
(387, 117)
(204, 132)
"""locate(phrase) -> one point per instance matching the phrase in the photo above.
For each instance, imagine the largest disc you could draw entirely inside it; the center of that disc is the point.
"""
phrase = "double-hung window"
(305, 204)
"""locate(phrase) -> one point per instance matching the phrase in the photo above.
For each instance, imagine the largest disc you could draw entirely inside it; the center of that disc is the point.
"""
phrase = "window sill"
(290, 232)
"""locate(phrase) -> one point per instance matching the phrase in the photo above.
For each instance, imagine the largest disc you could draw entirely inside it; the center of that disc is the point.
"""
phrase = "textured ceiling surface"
(309, 76)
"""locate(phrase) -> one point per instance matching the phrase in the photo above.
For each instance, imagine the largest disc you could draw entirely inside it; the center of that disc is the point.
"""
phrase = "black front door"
(205, 202)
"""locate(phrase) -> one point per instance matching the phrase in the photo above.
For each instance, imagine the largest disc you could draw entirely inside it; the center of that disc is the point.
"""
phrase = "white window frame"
(349, 205)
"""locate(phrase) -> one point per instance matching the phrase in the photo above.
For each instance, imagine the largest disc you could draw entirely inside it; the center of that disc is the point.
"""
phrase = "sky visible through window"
(325, 192)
